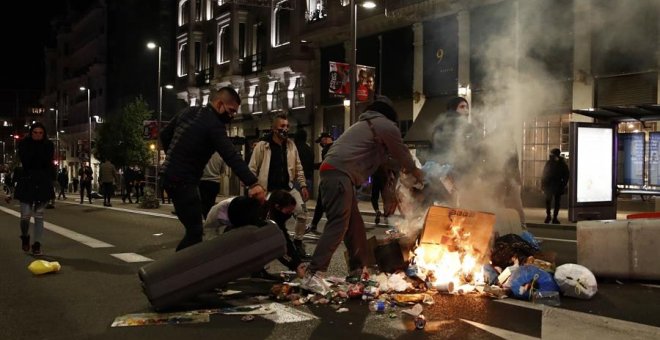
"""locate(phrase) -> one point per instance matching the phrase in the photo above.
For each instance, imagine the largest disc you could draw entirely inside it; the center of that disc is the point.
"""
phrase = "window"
(296, 93)
(273, 96)
(184, 12)
(242, 37)
(198, 56)
(182, 69)
(224, 44)
(198, 10)
(282, 19)
(253, 99)
(316, 10)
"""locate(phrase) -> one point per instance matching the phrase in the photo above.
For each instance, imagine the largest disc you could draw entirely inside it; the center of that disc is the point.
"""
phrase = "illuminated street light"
(57, 135)
(151, 45)
(353, 66)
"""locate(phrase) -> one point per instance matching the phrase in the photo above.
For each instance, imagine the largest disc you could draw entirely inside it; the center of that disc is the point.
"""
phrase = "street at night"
(96, 285)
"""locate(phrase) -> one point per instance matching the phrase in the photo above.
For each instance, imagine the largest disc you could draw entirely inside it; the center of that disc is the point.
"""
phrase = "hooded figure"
(35, 184)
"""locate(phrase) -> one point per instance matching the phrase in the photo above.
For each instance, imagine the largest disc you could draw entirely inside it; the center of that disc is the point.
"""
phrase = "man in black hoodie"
(189, 140)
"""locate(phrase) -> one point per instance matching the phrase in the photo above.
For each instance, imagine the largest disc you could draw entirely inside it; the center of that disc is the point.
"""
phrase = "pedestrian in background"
(75, 181)
(325, 141)
(35, 184)
(129, 181)
(189, 140)
(554, 182)
(276, 163)
(209, 184)
(353, 157)
(107, 178)
(63, 180)
(85, 173)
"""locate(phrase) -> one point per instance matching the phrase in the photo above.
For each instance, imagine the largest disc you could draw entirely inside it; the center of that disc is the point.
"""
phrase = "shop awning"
(642, 113)
(420, 131)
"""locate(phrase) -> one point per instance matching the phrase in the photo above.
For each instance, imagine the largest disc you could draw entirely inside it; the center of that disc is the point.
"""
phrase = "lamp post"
(57, 136)
(151, 46)
(4, 156)
(89, 118)
(353, 66)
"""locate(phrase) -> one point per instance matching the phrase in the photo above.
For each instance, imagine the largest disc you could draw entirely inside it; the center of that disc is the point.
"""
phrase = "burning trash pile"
(454, 254)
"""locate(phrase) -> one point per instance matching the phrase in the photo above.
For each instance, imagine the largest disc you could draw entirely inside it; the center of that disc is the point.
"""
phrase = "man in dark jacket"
(63, 180)
(189, 141)
(35, 184)
(554, 182)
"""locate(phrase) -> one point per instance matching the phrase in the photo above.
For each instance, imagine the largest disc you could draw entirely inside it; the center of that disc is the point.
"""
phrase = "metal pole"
(89, 116)
(353, 67)
(57, 138)
(160, 116)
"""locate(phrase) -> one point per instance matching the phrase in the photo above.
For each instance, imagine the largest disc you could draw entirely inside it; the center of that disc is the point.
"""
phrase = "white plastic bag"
(576, 281)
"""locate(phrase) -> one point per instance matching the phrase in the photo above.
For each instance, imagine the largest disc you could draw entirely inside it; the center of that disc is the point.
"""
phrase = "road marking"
(650, 285)
(86, 240)
(148, 213)
(555, 239)
(502, 333)
(131, 257)
(286, 314)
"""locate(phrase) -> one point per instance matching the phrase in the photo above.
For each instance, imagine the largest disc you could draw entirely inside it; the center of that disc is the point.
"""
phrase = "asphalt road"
(96, 285)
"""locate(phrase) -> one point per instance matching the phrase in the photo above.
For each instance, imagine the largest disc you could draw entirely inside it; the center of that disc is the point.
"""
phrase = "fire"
(453, 247)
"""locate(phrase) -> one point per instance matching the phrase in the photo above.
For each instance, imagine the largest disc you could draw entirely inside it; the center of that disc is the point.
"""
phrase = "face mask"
(282, 133)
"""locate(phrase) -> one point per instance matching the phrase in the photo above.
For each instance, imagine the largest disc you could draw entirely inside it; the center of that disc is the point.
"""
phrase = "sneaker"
(314, 283)
(36, 248)
(555, 221)
(25, 243)
(311, 228)
(547, 219)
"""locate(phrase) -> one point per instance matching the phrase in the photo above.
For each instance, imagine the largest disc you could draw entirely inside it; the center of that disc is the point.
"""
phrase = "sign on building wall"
(340, 83)
(441, 56)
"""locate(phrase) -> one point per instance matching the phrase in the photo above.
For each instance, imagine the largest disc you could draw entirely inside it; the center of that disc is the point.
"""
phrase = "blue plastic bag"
(537, 278)
(529, 238)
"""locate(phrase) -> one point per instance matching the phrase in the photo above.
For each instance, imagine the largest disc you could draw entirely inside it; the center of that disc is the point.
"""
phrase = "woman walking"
(35, 184)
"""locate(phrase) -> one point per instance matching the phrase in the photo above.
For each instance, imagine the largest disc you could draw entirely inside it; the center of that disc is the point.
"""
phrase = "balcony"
(253, 63)
(203, 77)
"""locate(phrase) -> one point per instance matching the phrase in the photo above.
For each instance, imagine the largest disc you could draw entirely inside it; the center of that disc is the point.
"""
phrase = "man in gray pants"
(353, 157)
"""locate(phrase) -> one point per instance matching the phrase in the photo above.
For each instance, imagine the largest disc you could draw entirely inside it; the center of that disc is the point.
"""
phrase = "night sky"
(26, 32)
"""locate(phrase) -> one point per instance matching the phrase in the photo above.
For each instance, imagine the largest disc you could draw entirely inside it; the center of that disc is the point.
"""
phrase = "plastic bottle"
(379, 306)
(548, 298)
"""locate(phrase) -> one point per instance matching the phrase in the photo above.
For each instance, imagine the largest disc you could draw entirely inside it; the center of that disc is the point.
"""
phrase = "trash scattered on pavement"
(148, 319)
(38, 267)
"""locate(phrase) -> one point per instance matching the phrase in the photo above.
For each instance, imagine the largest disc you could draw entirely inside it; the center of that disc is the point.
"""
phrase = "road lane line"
(148, 213)
(501, 332)
(86, 240)
(131, 257)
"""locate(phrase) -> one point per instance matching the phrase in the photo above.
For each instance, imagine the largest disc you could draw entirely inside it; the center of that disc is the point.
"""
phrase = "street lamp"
(89, 117)
(353, 66)
(57, 136)
(151, 46)
(4, 156)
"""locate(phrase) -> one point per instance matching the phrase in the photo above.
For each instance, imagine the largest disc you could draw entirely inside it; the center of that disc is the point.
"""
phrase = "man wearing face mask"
(189, 140)
(275, 161)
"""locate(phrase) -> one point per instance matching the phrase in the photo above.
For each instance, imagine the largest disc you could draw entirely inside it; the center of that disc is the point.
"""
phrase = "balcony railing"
(204, 77)
(253, 63)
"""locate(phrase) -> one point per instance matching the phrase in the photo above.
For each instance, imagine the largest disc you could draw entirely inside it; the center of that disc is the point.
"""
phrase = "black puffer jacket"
(555, 176)
(35, 183)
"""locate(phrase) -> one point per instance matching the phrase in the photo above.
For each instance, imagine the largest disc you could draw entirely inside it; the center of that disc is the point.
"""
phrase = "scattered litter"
(420, 321)
(342, 310)
(39, 267)
(158, 234)
(417, 309)
(619, 282)
(229, 292)
(286, 314)
(148, 319)
(247, 310)
(247, 318)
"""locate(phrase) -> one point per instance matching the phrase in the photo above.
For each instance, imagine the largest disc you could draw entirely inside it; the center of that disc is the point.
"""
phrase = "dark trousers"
(188, 207)
(86, 186)
(318, 210)
(127, 193)
(549, 196)
(62, 191)
(344, 223)
(108, 190)
(376, 189)
(208, 191)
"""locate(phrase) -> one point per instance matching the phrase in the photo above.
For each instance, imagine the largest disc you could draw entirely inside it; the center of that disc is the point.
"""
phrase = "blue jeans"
(188, 206)
(36, 209)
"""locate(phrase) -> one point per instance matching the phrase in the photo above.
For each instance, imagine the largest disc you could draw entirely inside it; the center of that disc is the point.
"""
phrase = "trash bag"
(509, 246)
(530, 278)
(39, 267)
(576, 281)
(529, 238)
